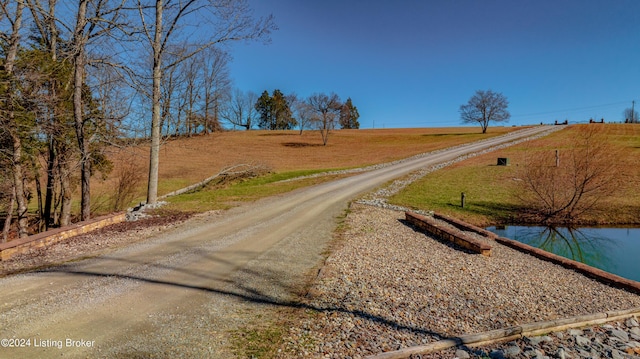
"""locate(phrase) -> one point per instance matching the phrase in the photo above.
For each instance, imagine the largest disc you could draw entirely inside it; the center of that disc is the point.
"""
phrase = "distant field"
(186, 161)
(489, 189)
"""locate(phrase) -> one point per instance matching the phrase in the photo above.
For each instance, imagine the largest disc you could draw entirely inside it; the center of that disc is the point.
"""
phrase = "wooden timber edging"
(464, 226)
(22, 245)
(589, 271)
(511, 333)
(592, 272)
(459, 238)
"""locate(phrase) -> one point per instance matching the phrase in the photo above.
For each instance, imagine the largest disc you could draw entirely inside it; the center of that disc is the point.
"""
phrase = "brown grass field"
(489, 188)
(185, 161)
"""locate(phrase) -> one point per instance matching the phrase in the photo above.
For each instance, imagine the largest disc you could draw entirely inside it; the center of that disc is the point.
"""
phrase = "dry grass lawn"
(186, 161)
(490, 189)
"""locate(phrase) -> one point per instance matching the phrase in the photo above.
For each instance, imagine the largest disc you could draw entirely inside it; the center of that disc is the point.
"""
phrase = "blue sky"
(412, 63)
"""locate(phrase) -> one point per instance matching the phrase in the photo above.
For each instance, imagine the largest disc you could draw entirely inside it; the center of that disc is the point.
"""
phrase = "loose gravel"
(389, 286)
(92, 244)
(385, 286)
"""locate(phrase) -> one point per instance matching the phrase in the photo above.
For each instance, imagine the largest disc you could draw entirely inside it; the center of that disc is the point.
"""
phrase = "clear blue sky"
(412, 63)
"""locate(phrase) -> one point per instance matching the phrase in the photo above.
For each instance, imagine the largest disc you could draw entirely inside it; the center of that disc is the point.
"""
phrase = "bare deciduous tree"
(94, 19)
(559, 192)
(240, 109)
(303, 113)
(484, 107)
(8, 117)
(631, 115)
(162, 22)
(326, 109)
(216, 87)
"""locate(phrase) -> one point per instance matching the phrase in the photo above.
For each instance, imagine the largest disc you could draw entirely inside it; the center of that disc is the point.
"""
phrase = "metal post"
(462, 199)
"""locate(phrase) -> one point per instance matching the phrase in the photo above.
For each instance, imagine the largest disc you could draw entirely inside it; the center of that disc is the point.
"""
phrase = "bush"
(559, 188)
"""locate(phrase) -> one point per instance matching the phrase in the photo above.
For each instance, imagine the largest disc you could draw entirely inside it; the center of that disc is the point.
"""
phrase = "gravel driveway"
(389, 286)
(181, 291)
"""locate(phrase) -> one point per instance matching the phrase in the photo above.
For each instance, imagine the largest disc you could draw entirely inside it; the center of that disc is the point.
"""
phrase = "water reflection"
(615, 250)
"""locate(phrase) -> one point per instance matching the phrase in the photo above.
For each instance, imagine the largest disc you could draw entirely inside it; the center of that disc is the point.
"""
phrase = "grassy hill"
(185, 161)
(490, 190)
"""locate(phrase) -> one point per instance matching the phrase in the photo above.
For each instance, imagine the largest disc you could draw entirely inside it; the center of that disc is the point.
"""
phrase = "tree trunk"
(36, 175)
(78, 109)
(18, 183)
(65, 193)
(18, 176)
(49, 31)
(48, 198)
(7, 220)
(154, 157)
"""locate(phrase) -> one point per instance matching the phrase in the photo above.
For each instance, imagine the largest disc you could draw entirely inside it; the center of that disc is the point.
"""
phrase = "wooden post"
(557, 158)
(462, 198)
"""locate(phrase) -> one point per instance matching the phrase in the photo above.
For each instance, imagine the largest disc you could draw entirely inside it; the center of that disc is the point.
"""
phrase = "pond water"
(615, 250)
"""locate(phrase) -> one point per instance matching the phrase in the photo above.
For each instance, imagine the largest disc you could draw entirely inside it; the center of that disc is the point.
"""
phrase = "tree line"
(77, 77)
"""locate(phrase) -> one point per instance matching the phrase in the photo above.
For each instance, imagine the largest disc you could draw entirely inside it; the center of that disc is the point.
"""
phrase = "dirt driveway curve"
(179, 293)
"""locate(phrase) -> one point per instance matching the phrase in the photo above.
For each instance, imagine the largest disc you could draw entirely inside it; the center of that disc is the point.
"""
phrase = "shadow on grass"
(448, 134)
(301, 144)
(279, 134)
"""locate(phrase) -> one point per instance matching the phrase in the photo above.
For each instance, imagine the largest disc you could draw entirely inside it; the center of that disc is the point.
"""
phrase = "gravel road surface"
(179, 293)
(389, 287)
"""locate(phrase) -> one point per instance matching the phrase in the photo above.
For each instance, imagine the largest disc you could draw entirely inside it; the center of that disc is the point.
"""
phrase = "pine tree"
(349, 116)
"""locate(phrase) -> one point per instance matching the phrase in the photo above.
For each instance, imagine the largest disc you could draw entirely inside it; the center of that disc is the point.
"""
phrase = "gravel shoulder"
(389, 286)
(184, 287)
(91, 244)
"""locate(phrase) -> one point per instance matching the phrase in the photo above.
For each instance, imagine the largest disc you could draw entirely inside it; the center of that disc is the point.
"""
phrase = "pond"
(615, 250)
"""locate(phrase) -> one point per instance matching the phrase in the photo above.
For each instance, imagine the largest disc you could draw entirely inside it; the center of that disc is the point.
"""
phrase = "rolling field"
(490, 190)
(287, 154)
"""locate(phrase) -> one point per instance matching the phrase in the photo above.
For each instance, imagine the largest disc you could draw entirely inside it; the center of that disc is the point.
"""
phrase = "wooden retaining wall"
(430, 226)
(595, 273)
(22, 245)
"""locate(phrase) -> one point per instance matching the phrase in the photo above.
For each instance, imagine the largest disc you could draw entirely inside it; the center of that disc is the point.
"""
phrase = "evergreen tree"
(275, 111)
(349, 116)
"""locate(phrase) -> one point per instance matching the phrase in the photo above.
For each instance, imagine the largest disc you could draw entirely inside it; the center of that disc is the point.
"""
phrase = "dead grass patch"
(185, 161)
(489, 189)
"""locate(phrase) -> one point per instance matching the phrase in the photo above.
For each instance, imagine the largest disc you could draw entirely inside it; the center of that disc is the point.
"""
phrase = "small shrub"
(128, 179)
(560, 191)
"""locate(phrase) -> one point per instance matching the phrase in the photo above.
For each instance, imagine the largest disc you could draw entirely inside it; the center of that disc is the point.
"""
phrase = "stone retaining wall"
(22, 245)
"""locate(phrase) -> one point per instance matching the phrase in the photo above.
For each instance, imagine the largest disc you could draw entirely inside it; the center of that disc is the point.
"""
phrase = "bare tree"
(303, 113)
(559, 192)
(631, 115)
(162, 22)
(326, 112)
(484, 107)
(44, 20)
(89, 29)
(8, 116)
(216, 87)
(240, 110)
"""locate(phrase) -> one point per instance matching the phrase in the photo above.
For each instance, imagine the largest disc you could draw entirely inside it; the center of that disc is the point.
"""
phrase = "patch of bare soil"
(91, 244)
